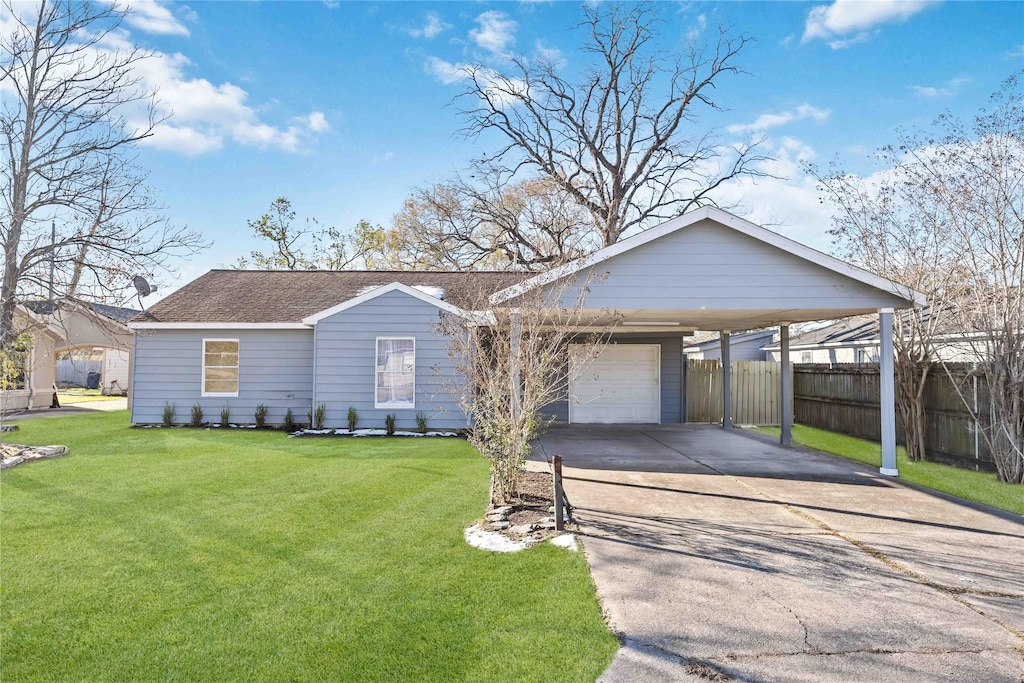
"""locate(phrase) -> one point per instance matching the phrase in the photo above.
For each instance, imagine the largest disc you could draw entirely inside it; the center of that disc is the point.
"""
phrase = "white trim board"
(727, 220)
(217, 326)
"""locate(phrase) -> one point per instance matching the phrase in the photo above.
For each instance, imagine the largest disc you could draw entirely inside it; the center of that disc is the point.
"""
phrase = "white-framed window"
(220, 367)
(395, 373)
(806, 357)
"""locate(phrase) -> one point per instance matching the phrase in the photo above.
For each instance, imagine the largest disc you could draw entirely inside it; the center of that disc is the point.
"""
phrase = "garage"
(621, 386)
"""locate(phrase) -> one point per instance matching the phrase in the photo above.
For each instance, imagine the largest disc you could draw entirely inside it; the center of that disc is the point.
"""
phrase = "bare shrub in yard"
(197, 416)
(261, 416)
(512, 358)
(353, 418)
(225, 415)
(168, 416)
(389, 424)
(421, 423)
(289, 421)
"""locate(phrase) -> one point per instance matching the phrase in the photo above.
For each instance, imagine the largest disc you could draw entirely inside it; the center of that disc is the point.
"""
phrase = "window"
(220, 367)
(396, 373)
(806, 357)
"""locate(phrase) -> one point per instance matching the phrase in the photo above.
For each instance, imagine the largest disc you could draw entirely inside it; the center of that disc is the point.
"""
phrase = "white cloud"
(551, 55)
(153, 17)
(495, 33)
(836, 22)
(774, 120)
(788, 203)
(951, 88)
(503, 91)
(317, 122)
(695, 31)
(446, 72)
(1015, 53)
(382, 158)
(433, 27)
(205, 114)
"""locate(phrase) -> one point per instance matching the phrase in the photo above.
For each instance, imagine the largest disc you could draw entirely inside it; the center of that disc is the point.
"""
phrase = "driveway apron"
(723, 556)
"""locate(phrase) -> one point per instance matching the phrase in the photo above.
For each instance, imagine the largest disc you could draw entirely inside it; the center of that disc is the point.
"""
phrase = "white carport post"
(726, 381)
(887, 394)
(786, 437)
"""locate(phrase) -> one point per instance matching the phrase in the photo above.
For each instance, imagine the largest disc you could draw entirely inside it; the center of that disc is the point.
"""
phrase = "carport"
(711, 270)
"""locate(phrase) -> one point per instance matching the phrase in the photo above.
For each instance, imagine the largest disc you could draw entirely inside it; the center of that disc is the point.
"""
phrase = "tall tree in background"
(313, 246)
(485, 223)
(947, 218)
(67, 84)
(623, 140)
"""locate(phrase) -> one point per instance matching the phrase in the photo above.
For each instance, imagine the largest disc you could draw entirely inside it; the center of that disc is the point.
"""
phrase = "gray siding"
(346, 353)
(707, 266)
(739, 349)
(275, 368)
(671, 379)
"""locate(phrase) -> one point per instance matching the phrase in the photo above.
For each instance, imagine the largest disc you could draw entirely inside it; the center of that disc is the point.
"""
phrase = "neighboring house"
(70, 330)
(292, 340)
(742, 346)
(856, 340)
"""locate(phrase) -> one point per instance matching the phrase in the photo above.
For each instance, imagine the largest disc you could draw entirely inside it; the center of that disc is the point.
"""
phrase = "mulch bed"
(532, 515)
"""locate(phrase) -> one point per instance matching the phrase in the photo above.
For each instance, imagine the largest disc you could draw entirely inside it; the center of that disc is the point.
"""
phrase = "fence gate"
(756, 392)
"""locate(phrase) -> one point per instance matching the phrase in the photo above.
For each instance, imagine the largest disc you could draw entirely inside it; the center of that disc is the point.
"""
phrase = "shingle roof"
(115, 313)
(288, 296)
(853, 331)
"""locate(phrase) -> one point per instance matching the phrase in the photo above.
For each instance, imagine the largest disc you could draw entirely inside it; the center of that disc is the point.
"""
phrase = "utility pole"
(53, 257)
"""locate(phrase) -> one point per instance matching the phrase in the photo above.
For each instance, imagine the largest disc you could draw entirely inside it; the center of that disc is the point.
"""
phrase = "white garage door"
(621, 386)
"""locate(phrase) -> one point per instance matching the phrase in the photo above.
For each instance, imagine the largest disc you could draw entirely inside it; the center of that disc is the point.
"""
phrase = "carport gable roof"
(710, 270)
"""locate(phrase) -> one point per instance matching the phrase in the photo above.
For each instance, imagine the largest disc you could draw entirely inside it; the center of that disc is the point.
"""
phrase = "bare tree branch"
(622, 141)
(69, 86)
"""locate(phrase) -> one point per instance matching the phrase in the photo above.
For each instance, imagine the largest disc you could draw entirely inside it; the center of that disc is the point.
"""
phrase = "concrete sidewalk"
(717, 554)
(85, 407)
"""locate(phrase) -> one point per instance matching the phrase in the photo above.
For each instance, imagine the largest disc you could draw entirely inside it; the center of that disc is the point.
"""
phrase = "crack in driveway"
(951, 592)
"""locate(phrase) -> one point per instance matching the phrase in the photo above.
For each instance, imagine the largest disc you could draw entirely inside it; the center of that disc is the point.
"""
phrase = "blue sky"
(344, 107)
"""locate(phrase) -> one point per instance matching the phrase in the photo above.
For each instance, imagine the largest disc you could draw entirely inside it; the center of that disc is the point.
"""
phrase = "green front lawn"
(179, 554)
(980, 487)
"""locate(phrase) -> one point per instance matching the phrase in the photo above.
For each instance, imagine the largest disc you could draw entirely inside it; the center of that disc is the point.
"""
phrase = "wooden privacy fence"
(844, 398)
(756, 392)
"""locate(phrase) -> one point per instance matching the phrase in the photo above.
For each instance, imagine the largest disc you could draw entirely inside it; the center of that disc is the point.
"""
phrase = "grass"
(180, 554)
(980, 487)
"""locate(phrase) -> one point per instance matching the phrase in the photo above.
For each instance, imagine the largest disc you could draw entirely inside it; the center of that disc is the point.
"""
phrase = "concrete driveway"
(722, 556)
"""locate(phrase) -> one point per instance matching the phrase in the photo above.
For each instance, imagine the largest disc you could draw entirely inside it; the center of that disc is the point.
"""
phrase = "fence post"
(786, 435)
(726, 380)
(556, 461)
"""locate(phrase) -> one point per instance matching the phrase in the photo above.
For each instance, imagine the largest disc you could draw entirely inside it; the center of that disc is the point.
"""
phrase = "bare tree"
(486, 223)
(880, 227)
(949, 217)
(68, 85)
(313, 246)
(623, 141)
(513, 360)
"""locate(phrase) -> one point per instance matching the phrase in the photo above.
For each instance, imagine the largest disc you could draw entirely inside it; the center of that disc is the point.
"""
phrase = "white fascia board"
(216, 326)
(379, 291)
(730, 221)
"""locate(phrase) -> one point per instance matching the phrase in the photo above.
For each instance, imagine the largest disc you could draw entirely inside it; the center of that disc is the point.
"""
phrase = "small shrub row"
(316, 415)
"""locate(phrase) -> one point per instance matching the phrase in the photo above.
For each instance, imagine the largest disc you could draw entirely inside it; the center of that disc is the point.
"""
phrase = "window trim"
(376, 359)
(202, 386)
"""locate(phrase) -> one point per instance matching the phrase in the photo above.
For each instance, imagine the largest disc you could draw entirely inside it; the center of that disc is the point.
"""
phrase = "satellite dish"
(142, 286)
